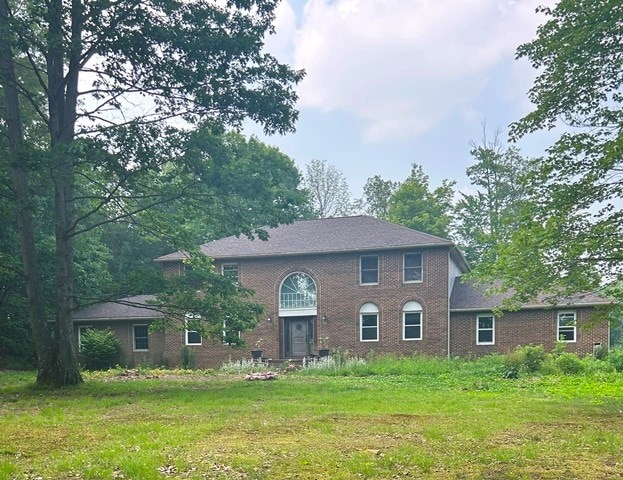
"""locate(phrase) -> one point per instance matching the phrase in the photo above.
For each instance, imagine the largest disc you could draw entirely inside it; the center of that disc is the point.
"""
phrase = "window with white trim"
(230, 270)
(369, 269)
(191, 337)
(140, 337)
(485, 329)
(229, 336)
(369, 323)
(567, 326)
(412, 321)
(82, 329)
(412, 268)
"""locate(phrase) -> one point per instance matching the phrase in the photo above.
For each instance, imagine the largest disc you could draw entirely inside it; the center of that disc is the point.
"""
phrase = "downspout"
(450, 279)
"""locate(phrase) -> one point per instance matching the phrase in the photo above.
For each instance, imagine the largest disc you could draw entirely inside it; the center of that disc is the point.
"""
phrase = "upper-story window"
(567, 325)
(230, 270)
(412, 267)
(369, 269)
(298, 291)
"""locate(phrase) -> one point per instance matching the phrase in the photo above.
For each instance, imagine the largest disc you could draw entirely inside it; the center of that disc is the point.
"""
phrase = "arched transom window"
(298, 291)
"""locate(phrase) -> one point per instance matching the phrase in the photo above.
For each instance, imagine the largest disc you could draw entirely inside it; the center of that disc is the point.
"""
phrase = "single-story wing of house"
(359, 284)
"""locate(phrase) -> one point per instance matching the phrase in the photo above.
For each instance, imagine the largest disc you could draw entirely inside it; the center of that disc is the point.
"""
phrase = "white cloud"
(403, 66)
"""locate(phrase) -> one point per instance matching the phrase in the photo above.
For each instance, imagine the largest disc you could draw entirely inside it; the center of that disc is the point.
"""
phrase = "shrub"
(187, 358)
(615, 357)
(569, 364)
(529, 359)
(100, 348)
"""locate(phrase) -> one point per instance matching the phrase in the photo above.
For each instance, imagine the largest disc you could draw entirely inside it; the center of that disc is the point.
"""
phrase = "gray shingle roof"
(124, 308)
(327, 235)
(467, 296)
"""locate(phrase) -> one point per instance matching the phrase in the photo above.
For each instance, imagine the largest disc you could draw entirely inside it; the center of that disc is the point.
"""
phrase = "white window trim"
(80, 328)
(134, 349)
(223, 265)
(224, 333)
(575, 326)
(404, 325)
(369, 309)
(404, 267)
(378, 270)
(186, 331)
(478, 329)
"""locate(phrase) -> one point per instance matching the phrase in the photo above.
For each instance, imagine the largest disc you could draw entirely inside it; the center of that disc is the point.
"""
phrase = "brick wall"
(123, 330)
(528, 327)
(339, 298)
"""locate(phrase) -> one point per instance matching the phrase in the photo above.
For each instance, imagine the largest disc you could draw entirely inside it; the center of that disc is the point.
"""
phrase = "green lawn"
(406, 420)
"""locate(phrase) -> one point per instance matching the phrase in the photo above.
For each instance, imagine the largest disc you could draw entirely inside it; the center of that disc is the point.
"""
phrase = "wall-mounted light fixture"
(325, 320)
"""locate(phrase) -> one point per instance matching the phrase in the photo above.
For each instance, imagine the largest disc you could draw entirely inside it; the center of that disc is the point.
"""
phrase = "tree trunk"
(32, 278)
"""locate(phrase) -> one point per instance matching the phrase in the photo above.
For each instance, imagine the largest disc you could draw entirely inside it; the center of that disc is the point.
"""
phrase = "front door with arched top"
(297, 311)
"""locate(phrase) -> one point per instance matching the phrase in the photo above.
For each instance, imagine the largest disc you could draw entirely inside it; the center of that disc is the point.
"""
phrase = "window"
(140, 335)
(369, 323)
(369, 269)
(412, 267)
(192, 337)
(230, 270)
(230, 337)
(297, 291)
(412, 321)
(81, 331)
(485, 330)
(566, 326)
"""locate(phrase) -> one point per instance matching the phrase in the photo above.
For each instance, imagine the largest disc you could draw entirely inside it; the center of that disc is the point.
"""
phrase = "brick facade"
(339, 299)
(524, 327)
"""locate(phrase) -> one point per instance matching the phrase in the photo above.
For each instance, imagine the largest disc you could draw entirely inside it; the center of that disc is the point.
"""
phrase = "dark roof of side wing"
(467, 296)
(326, 235)
(124, 308)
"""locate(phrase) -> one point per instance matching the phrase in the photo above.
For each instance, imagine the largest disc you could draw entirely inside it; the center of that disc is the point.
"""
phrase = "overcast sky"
(392, 82)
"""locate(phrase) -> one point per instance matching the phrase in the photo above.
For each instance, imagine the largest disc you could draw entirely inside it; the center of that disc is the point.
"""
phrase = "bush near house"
(100, 349)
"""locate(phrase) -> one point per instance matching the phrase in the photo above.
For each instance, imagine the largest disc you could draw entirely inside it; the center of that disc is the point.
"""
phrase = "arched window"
(369, 323)
(412, 321)
(297, 291)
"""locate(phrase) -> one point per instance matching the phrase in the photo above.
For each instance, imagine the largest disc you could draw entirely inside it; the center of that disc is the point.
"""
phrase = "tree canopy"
(329, 195)
(105, 79)
(569, 239)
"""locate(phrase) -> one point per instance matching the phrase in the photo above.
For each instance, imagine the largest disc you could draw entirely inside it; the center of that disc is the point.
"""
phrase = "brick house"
(357, 283)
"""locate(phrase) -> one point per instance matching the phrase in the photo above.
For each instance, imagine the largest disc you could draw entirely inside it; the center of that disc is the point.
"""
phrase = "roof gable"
(326, 235)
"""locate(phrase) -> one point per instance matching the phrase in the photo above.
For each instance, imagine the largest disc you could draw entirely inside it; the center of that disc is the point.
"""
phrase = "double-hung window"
(412, 321)
(412, 268)
(369, 323)
(485, 330)
(369, 269)
(140, 338)
(567, 326)
(191, 337)
(230, 270)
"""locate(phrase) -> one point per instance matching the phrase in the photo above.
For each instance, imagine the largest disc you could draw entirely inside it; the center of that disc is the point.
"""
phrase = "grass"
(388, 418)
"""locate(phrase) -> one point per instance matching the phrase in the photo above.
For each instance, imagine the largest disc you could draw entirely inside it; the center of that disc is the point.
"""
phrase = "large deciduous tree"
(329, 195)
(377, 193)
(570, 238)
(485, 218)
(416, 206)
(110, 75)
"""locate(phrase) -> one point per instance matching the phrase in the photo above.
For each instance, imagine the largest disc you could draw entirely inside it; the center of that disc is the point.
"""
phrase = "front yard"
(432, 419)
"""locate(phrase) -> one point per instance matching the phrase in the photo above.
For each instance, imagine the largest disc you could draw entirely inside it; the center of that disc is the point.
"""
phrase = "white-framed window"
(412, 268)
(82, 329)
(412, 321)
(230, 270)
(140, 337)
(369, 323)
(191, 337)
(227, 334)
(567, 326)
(485, 329)
(369, 269)
(297, 291)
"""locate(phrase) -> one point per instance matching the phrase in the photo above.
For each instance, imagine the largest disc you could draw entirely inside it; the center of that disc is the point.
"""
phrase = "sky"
(393, 82)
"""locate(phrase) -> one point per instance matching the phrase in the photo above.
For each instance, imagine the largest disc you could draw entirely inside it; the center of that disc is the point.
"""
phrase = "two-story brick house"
(360, 284)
